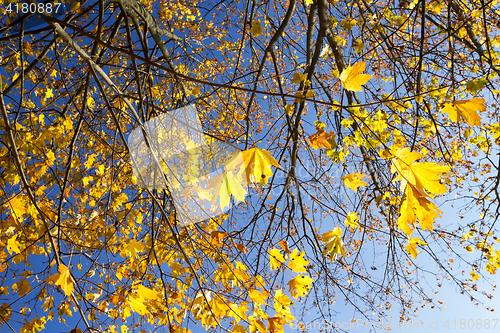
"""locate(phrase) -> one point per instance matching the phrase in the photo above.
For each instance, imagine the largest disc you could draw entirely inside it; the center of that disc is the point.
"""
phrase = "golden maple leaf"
(351, 77)
(276, 258)
(422, 175)
(466, 109)
(224, 185)
(334, 243)
(63, 279)
(258, 297)
(297, 262)
(258, 164)
(351, 220)
(299, 285)
(411, 247)
(320, 139)
(256, 29)
(136, 303)
(353, 181)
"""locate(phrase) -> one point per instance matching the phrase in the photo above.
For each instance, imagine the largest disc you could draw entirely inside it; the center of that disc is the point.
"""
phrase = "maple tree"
(358, 123)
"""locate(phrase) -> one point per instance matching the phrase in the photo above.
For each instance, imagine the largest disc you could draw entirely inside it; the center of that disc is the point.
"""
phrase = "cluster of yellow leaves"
(138, 299)
(334, 243)
(419, 180)
(300, 284)
(466, 109)
(320, 139)
(351, 77)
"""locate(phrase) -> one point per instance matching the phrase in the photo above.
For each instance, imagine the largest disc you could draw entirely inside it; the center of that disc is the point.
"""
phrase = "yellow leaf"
(137, 305)
(297, 262)
(276, 258)
(13, 245)
(258, 164)
(299, 286)
(257, 326)
(90, 103)
(22, 287)
(319, 139)
(275, 324)
(238, 312)
(353, 181)
(415, 205)
(491, 268)
(258, 297)
(256, 29)
(474, 275)
(466, 109)
(133, 248)
(64, 280)
(281, 302)
(422, 175)
(334, 243)
(148, 293)
(17, 206)
(351, 219)
(411, 247)
(299, 77)
(351, 77)
(48, 303)
(224, 185)
(49, 93)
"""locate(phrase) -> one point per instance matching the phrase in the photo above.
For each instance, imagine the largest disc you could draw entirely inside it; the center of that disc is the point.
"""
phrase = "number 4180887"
(32, 8)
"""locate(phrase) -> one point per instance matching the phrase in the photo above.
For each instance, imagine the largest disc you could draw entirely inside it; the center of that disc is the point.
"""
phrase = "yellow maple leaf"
(133, 248)
(415, 205)
(13, 245)
(334, 243)
(258, 164)
(257, 325)
(474, 275)
(281, 302)
(276, 258)
(63, 279)
(297, 262)
(422, 175)
(491, 268)
(136, 303)
(299, 286)
(22, 287)
(225, 185)
(351, 220)
(148, 293)
(299, 77)
(353, 181)
(320, 139)
(275, 324)
(351, 77)
(17, 207)
(49, 93)
(238, 312)
(258, 297)
(256, 29)
(466, 109)
(411, 247)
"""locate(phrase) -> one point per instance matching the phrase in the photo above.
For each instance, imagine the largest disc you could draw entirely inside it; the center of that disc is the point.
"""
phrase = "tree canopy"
(358, 122)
